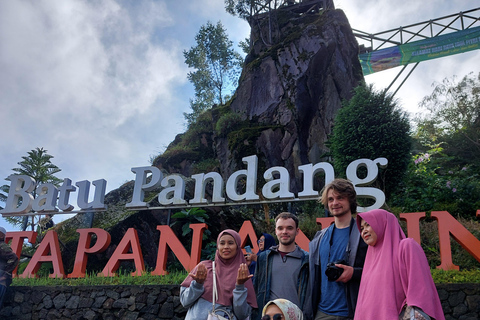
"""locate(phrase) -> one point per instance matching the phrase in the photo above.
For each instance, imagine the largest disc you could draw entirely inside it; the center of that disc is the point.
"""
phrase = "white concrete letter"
(309, 171)
(251, 184)
(141, 185)
(372, 173)
(200, 183)
(98, 198)
(19, 200)
(282, 184)
(172, 194)
(46, 199)
(64, 195)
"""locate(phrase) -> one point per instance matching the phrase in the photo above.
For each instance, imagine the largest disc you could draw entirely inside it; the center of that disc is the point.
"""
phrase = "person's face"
(286, 231)
(273, 311)
(261, 243)
(368, 235)
(338, 204)
(227, 247)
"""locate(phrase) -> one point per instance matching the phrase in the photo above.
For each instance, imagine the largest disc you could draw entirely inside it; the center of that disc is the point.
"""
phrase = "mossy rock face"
(174, 158)
(244, 140)
(206, 165)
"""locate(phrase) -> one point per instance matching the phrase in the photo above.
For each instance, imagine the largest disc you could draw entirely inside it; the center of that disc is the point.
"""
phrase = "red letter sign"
(83, 248)
(50, 245)
(449, 225)
(129, 241)
(17, 242)
(167, 237)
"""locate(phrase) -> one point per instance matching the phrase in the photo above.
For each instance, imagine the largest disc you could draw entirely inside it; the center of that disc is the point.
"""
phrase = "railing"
(260, 7)
(418, 31)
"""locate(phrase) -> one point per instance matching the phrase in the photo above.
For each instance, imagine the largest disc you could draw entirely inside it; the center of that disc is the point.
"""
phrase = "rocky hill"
(283, 110)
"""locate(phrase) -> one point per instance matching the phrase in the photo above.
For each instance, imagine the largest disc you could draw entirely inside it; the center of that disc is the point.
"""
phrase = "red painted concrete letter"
(449, 225)
(302, 241)
(247, 231)
(168, 238)
(50, 245)
(83, 248)
(17, 242)
(325, 222)
(413, 224)
(129, 242)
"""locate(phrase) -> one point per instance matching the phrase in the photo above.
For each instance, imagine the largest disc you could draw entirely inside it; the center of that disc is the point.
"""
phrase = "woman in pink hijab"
(234, 284)
(396, 273)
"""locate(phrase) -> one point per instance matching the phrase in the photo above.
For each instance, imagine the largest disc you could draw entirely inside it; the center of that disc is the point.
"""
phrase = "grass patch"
(453, 276)
(123, 278)
(176, 278)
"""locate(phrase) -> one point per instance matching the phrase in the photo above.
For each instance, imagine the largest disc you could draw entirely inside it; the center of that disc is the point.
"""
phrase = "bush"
(371, 125)
(431, 187)
(227, 123)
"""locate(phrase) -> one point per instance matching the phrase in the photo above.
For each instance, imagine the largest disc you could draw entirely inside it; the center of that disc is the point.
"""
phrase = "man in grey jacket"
(282, 271)
(337, 255)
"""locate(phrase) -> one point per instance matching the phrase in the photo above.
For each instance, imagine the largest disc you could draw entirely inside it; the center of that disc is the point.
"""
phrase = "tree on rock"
(371, 125)
(216, 68)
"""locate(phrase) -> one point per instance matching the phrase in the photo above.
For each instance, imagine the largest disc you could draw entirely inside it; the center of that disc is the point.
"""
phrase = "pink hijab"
(227, 271)
(396, 272)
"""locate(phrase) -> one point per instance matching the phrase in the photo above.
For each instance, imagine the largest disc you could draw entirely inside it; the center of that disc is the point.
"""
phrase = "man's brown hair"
(287, 215)
(344, 188)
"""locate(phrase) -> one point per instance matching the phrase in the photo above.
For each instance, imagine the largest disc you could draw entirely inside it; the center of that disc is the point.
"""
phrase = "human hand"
(200, 275)
(346, 274)
(243, 274)
(253, 257)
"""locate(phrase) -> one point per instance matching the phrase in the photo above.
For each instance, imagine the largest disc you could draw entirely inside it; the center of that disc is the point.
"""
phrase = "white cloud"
(74, 74)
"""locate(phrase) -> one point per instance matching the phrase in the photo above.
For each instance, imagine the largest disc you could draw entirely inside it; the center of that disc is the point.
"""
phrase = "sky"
(102, 85)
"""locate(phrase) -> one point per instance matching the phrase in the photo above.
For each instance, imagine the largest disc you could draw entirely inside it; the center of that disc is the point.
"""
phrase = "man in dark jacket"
(282, 271)
(8, 263)
(339, 252)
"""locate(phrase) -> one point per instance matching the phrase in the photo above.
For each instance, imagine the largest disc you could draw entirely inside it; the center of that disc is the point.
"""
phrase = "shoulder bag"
(413, 313)
(213, 315)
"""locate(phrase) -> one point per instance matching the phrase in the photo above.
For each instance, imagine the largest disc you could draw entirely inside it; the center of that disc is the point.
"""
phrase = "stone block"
(456, 298)
(73, 302)
(59, 301)
(166, 311)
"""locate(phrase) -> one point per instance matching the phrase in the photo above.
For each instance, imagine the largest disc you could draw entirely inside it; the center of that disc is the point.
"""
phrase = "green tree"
(37, 165)
(453, 121)
(216, 68)
(444, 173)
(429, 187)
(246, 8)
(371, 125)
(241, 8)
(3, 193)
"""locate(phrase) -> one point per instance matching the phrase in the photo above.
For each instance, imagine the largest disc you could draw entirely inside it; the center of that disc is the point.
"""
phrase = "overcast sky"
(102, 85)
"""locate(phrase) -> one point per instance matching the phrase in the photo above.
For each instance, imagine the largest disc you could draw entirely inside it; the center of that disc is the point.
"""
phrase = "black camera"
(333, 272)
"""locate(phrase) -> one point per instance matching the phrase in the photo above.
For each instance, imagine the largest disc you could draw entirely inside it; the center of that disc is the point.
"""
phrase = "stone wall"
(459, 301)
(92, 303)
